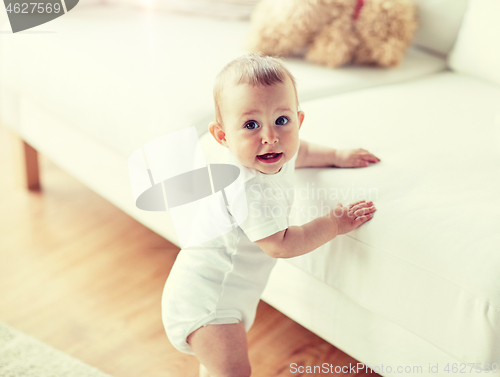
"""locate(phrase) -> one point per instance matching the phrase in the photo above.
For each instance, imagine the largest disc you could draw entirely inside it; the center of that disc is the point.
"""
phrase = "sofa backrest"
(477, 50)
(439, 23)
(226, 9)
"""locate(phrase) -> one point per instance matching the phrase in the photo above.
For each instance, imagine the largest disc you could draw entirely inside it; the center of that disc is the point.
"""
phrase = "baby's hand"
(354, 158)
(352, 216)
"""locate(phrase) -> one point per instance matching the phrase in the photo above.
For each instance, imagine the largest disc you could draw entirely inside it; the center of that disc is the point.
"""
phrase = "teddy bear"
(334, 32)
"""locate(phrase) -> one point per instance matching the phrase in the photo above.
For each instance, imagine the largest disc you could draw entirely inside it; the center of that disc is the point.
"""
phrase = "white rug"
(24, 356)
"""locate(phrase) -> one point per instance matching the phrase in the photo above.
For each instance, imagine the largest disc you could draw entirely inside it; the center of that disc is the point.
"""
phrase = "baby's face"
(261, 124)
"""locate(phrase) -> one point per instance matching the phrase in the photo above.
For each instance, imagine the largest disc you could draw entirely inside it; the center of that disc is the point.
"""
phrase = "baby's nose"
(269, 136)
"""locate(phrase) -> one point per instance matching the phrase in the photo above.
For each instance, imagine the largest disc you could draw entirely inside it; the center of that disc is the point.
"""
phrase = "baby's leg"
(222, 350)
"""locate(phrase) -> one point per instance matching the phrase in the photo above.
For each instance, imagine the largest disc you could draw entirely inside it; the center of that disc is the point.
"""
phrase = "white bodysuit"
(221, 281)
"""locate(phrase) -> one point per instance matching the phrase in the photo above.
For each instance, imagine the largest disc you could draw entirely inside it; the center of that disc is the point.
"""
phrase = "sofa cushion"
(477, 51)
(428, 260)
(439, 23)
(126, 77)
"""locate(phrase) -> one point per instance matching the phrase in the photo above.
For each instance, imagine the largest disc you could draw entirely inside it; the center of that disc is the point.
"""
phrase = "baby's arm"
(299, 240)
(314, 155)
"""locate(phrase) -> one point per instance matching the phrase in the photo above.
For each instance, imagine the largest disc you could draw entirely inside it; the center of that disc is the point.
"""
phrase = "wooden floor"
(81, 275)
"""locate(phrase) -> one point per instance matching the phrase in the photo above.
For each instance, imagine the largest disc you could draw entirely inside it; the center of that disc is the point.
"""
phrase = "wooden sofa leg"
(31, 167)
(26, 158)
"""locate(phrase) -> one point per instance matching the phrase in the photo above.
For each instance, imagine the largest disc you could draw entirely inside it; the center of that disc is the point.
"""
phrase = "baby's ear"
(218, 133)
(300, 115)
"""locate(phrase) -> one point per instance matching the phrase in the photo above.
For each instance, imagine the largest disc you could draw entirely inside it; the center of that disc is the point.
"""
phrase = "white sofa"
(419, 285)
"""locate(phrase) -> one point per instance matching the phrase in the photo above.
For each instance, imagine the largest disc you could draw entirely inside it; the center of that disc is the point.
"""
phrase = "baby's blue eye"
(252, 125)
(281, 121)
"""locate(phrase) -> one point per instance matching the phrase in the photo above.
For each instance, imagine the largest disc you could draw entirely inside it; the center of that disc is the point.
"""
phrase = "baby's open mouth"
(270, 157)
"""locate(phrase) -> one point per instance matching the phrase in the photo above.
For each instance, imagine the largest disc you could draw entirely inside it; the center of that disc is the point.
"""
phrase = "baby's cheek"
(244, 152)
(293, 144)
(248, 146)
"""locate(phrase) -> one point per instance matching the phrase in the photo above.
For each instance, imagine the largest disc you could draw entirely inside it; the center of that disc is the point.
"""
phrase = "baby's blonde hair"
(252, 69)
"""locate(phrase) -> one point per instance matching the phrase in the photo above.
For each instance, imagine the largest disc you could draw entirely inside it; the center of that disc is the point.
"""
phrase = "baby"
(212, 292)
